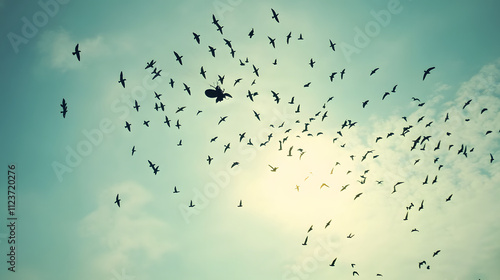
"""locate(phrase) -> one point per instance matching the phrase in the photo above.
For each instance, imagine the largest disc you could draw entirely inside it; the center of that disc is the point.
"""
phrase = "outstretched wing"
(211, 93)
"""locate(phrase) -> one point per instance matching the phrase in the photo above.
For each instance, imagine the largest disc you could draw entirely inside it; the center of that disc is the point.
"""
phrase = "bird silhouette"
(122, 80)
(117, 201)
(332, 45)
(178, 57)
(77, 52)
(427, 72)
(275, 15)
(196, 37)
(305, 241)
(251, 33)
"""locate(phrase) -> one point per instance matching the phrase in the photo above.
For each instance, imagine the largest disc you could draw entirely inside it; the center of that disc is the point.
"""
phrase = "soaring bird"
(256, 115)
(466, 103)
(332, 45)
(435, 253)
(122, 80)
(77, 52)
(209, 159)
(305, 241)
(328, 223)
(333, 262)
(202, 72)
(271, 41)
(288, 37)
(117, 201)
(196, 37)
(64, 108)
(275, 15)
(178, 57)
(251, 33)
(150, 64)
(373, 71)
(358, 195)
(427, 72)
(311, 63)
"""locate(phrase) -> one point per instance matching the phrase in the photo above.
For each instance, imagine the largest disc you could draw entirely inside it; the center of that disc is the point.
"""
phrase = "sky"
(331, 180)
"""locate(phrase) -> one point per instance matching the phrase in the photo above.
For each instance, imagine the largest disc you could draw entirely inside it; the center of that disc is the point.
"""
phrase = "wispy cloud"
(116, 237)
(56, 47)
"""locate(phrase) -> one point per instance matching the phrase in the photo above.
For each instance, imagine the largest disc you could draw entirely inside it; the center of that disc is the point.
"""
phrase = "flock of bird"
(285, 130)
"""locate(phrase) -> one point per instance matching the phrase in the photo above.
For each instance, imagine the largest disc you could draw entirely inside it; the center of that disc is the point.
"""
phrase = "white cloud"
(56, 47)
(117, 237)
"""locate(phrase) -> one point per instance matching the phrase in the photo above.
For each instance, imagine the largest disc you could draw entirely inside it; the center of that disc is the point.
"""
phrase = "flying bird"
(186, 88)
(333, 262)
(77, 52)
(178, 57)
(122, 80)
(271, 41)
(150, 64)
(251, 33)
(311, 63)
(196, 37)
(273, 169)
(466, 103)
(255, 70)
(427, 72)
(256, 115)
(202, 72)
(332, 45)
(64, 108)
(275, 15)
(117, 201)
(305, 241)
(127, 125)
(211, 50)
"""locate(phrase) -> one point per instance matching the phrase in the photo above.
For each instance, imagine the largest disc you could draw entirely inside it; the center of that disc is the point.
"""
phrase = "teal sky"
(69, 170)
